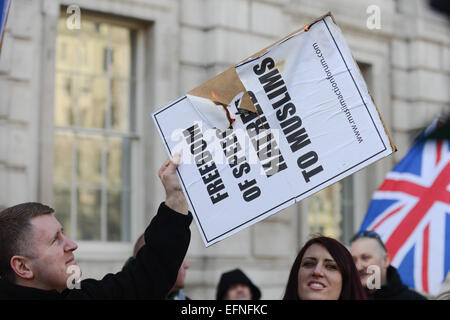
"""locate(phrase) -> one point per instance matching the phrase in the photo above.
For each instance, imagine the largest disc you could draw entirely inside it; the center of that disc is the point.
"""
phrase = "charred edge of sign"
(227, 112)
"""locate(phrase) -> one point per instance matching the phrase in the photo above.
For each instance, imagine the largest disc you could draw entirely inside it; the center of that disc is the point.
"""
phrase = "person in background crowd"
(368, 249)
(324, 270)
(36, 256)
(235, 285)
(177, 291)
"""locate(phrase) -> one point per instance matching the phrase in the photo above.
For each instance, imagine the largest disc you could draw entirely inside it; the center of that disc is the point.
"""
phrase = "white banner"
(316, 124)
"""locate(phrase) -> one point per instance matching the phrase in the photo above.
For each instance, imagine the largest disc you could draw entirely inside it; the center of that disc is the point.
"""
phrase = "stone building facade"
(63, 140)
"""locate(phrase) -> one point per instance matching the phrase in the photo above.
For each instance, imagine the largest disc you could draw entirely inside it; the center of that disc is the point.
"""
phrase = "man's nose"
(359, 265)
(70, 245)
(240, 287)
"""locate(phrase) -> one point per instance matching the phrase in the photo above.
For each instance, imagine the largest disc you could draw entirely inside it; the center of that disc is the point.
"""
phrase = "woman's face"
(319, 277)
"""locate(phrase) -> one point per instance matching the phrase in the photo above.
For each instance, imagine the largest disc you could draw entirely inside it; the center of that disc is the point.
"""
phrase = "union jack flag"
(4, 6)
(411, 213)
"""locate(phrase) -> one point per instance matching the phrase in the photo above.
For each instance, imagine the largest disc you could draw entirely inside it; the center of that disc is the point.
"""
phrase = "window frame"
(102, 135)
(102, 250)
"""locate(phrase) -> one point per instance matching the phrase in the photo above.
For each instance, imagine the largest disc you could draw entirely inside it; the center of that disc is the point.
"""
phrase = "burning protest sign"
(281, 125)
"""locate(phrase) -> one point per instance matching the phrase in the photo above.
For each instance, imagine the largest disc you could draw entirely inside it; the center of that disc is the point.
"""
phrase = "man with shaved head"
(37, 259)
(372, 260)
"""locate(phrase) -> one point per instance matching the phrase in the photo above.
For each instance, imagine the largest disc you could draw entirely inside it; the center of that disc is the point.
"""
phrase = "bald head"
(371, 244)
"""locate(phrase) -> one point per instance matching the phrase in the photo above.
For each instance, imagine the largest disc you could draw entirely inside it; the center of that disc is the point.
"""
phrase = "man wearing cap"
(235, 285)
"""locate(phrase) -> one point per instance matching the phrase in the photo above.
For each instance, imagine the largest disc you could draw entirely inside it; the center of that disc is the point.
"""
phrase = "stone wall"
(186, 42)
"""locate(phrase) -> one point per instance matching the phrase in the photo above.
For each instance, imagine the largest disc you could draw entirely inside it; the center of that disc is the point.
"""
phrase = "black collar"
(11, 291)
(393, 287)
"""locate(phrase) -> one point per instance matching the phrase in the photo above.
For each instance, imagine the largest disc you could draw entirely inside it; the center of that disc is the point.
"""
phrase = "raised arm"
(154, 271)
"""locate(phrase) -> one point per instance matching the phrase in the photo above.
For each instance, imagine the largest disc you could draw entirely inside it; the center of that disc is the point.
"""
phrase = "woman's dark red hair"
(351, 284)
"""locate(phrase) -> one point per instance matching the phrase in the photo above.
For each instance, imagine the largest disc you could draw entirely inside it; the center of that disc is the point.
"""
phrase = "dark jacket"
(394, 289)
(232, 277)
(150, 276)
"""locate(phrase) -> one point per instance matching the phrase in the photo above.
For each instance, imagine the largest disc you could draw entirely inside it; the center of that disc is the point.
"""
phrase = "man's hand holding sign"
(283, 124)
(175, 199)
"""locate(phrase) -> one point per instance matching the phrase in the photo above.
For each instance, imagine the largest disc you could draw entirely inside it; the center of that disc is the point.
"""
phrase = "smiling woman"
(324, 270)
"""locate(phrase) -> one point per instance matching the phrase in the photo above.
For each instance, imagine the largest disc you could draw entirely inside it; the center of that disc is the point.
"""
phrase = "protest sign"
(281, 125)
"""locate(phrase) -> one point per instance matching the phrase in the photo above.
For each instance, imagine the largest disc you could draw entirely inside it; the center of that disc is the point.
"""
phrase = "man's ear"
(386, 260)
(21, 267)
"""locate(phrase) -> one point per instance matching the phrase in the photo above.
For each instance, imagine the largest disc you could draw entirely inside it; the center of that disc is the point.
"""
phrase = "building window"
(94, 128)
(331, 210)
